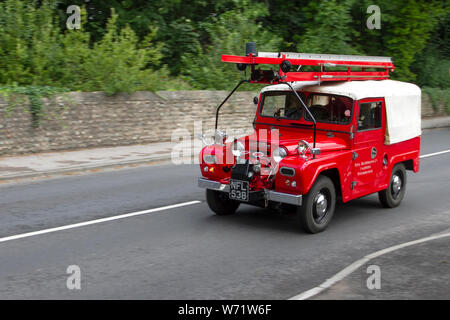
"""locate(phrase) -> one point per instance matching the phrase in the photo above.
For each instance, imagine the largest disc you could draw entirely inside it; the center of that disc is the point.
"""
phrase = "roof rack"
(287, 60)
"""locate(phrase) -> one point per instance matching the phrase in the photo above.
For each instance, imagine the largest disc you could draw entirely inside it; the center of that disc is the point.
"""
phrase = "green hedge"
(173, 45)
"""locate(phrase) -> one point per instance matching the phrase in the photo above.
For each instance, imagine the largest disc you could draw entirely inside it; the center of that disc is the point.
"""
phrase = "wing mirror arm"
(226, 99)
(307, 110)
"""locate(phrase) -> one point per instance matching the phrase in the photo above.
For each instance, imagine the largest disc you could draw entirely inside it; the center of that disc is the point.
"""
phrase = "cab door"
(367, 147)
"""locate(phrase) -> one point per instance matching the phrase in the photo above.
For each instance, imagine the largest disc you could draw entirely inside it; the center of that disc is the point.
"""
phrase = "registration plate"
(239, 190)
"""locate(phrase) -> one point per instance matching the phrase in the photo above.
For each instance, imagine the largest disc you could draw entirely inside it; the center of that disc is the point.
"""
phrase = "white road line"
(87, 223)
(355, 265)
(434, 154)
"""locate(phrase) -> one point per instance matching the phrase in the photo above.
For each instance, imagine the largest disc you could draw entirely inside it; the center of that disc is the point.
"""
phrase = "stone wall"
(91, 119)
(82, 120)
(429, 111)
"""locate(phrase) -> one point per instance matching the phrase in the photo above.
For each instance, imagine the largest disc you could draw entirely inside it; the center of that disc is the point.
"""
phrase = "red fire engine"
(321, 135)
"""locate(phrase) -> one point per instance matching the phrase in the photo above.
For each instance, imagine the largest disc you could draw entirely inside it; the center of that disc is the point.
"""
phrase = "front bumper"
(269, 195)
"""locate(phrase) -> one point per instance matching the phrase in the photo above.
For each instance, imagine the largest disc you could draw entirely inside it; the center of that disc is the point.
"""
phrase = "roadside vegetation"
(125, 46)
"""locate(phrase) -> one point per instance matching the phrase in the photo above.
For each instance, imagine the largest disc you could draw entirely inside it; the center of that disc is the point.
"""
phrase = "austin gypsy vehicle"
(319, 136)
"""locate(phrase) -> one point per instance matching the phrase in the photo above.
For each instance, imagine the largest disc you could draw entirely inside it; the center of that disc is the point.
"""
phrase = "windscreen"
(281, 104)
(329, 108)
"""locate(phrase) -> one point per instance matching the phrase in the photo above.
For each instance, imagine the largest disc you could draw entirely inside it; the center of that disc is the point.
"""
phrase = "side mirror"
(220, 137)
(255, 100)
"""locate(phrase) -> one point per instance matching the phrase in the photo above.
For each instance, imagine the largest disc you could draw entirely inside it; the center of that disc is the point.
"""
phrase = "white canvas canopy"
(403, 102)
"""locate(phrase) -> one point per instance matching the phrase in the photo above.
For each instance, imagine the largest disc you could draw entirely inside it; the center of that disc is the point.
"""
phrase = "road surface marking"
(355, 265)
(87, 223)
(434, 154)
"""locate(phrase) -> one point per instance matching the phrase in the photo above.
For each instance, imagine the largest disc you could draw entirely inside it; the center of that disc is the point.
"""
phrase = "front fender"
(308, 171)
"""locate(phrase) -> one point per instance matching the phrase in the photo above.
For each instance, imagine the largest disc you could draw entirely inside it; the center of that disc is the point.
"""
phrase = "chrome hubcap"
(321, 206)
(396, 185)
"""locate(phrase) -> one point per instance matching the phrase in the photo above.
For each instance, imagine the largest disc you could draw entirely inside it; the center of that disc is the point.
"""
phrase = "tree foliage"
(228, 33)
(331, 18)
(35, 51)
(152, 45)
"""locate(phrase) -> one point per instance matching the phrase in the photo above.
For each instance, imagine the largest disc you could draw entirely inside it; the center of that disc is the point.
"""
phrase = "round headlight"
(303, 146)
(279, 154)
(238, 147)
(209, 158)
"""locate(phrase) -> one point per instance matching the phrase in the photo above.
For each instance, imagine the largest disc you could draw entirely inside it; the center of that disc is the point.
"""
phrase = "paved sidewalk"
(42, 164)
(437, 122)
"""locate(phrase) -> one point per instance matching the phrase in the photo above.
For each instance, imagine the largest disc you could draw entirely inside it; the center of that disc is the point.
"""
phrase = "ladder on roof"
(289, 60)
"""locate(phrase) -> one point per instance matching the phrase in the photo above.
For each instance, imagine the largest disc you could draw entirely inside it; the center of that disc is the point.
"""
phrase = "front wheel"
(318, 206)
(220, 203)
(393, 195)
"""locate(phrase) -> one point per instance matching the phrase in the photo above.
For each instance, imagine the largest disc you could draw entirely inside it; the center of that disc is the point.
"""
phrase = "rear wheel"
(220, 203)
(393, 195)
(318, 206)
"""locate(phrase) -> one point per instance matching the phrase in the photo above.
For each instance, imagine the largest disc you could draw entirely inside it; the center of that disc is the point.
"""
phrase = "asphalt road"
(187, 252)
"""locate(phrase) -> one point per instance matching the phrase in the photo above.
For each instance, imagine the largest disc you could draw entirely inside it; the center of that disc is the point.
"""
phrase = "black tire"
(220, 203)
(312, 220)
(393, 195)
